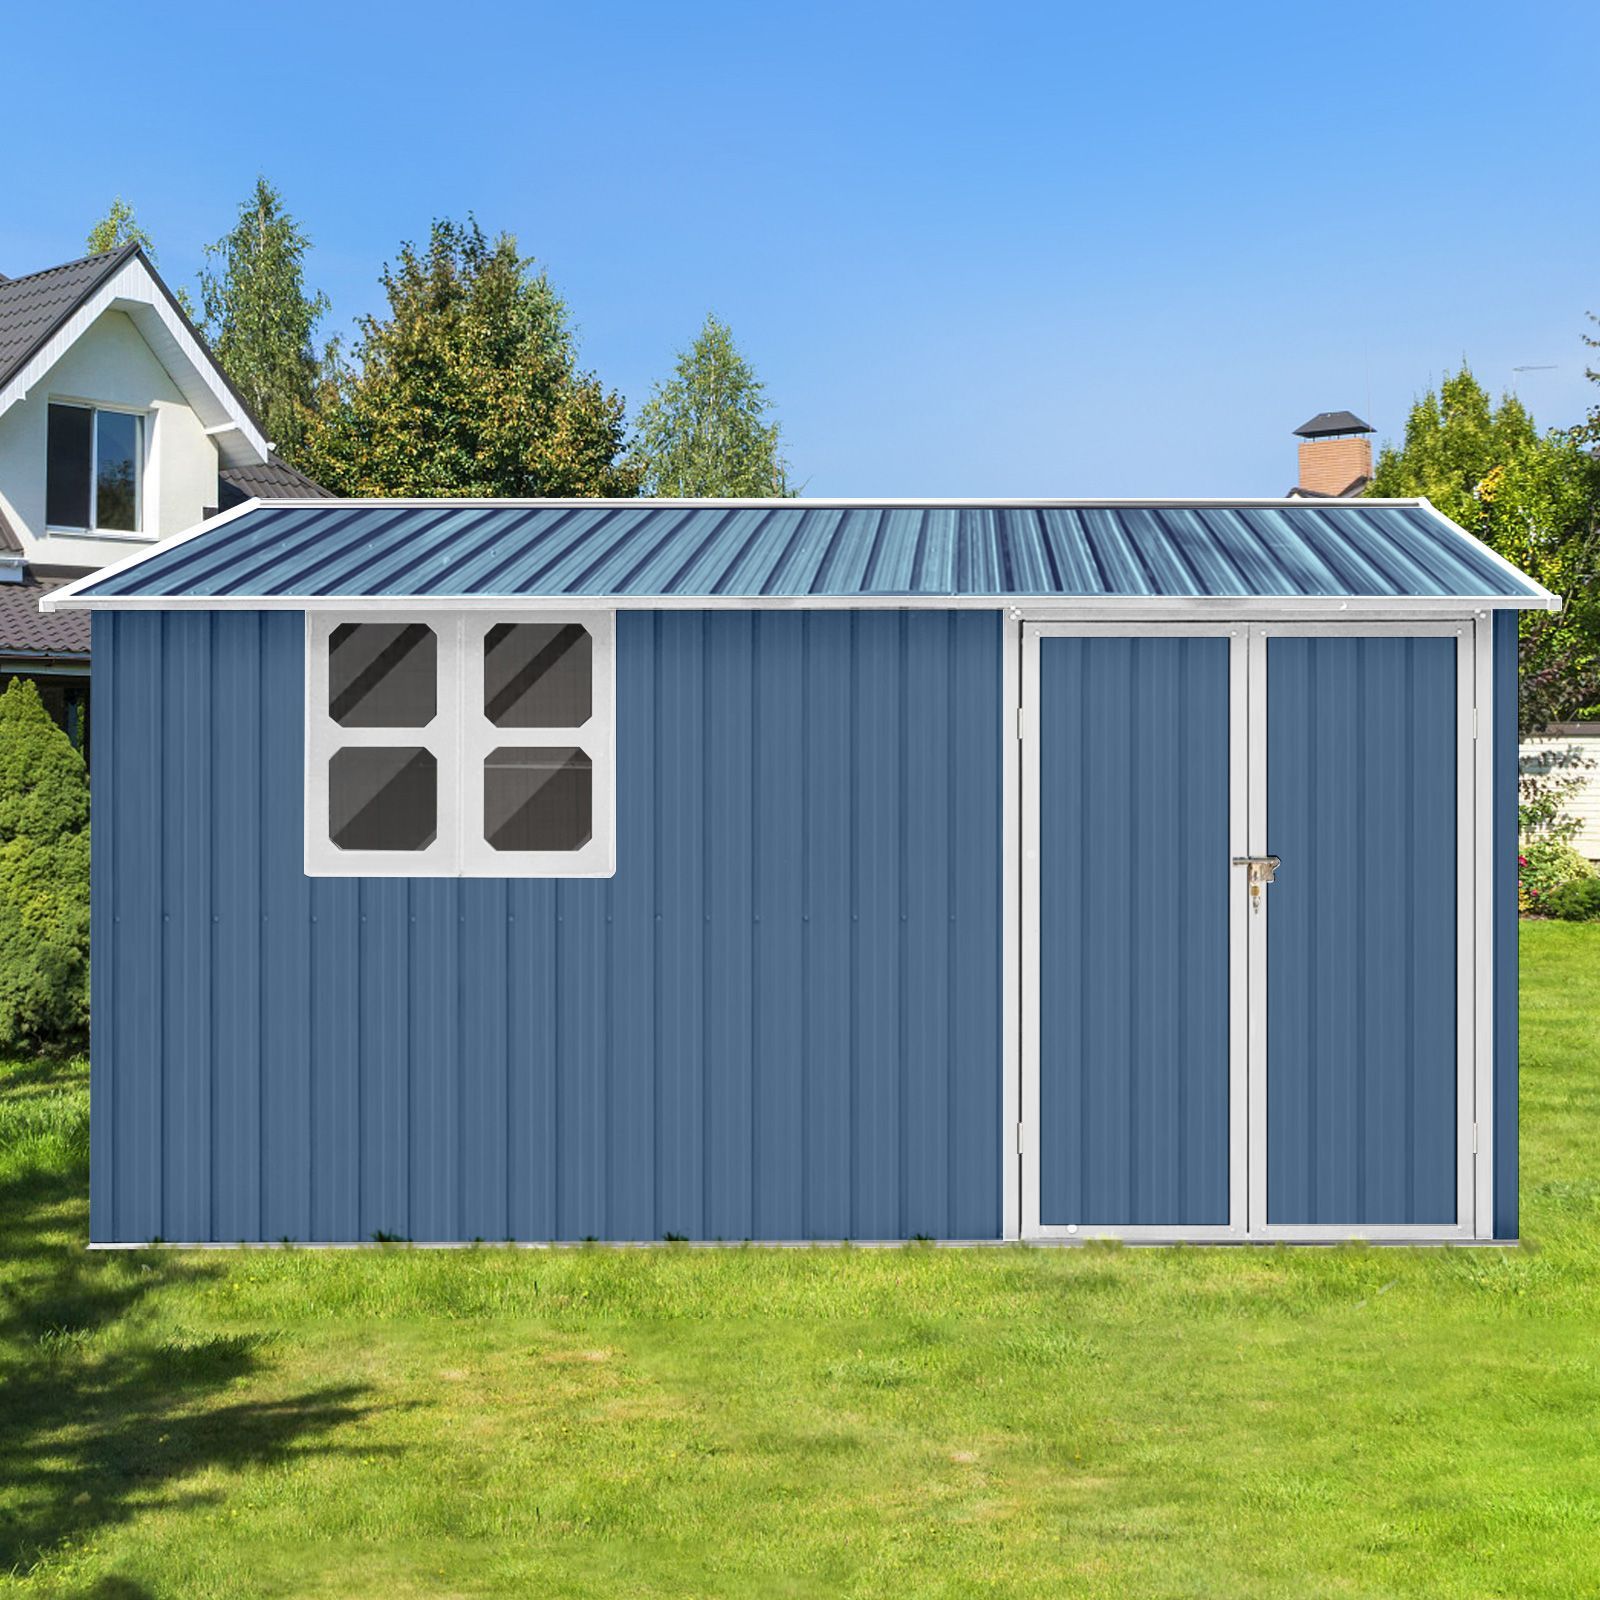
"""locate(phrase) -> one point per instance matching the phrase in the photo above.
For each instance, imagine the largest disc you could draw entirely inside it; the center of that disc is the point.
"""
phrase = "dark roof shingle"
(275, 479)
(33, 307)
(26, 631)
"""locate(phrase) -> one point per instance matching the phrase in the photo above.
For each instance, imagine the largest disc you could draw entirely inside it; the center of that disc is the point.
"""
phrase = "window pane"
(537, 799)
(382, 675)
(66, 495)
(382, 799)
(537, 675)
(116, 479)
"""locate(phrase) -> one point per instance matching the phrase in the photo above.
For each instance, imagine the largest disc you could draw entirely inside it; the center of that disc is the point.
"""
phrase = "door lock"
(1261, 870)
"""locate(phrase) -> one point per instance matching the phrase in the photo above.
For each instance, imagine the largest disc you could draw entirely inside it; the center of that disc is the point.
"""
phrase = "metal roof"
(1331, 422)
(780, 551)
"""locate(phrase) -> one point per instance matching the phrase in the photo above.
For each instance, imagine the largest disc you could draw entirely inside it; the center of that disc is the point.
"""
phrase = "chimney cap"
(1327, 423)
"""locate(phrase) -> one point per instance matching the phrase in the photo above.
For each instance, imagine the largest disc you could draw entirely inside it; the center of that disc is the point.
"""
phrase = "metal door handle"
(1261, 867)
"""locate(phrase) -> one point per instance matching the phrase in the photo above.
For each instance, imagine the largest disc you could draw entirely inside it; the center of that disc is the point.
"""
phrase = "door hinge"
(1019, 1138)
(1022, 722)
(1474, 1138)
(1474, 722)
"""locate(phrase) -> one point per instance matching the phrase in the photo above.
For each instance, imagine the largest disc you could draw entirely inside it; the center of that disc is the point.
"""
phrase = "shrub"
(44, 877)
(1542, 798)
(1542, 867)
(1577, 901)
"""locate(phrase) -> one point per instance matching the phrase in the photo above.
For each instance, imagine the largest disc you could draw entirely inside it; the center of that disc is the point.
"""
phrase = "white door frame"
(1247, 936)
(1238, 794)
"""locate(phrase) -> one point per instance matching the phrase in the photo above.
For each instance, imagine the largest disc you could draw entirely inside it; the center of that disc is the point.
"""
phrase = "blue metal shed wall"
(781, 1019)
(1505, 925)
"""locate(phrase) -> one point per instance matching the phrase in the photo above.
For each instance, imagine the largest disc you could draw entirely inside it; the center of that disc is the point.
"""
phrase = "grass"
(1183, 1422)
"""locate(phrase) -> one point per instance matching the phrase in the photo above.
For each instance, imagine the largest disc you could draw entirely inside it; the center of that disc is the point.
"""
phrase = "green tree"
(1454, 439)
(118, 227)
(469, 386)
(705, 432)
(1534, 498)
(259, 319)
(1589, 429)
(44, 877)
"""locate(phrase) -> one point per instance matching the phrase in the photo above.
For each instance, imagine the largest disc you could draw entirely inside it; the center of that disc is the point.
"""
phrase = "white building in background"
(1571, 749)
(118, 430)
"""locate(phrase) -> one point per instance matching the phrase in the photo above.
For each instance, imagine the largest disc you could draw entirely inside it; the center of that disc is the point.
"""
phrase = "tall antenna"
(1366, 370)
(1548, 366)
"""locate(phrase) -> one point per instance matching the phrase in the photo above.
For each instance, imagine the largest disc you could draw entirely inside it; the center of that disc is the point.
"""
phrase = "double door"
(1248, 919)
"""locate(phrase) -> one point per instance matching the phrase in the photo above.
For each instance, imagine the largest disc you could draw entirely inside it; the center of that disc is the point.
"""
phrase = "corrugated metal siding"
(1361, 1028)
(1300, 548)
(1506, 796)
(1134, 876)
(781, 1019)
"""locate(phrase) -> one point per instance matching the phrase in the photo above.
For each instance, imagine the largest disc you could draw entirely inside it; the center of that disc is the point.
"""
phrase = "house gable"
(42, 327)
(104, 336)
(111, 364)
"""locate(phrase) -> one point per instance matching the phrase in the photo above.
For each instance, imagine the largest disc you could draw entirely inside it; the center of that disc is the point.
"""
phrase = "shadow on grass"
(98, 1420)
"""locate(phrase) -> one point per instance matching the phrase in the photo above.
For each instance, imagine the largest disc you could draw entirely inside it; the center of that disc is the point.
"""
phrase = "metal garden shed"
(806, 870)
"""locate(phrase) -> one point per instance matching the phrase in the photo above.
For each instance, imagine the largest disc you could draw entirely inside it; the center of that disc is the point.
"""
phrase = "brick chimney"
(1335, 455)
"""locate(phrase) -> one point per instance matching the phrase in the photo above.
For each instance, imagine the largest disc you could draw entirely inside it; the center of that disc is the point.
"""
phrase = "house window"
(94, 469)
(474, 745)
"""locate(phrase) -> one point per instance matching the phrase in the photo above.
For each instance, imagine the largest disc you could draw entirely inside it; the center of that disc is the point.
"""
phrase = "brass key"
(1261, 870)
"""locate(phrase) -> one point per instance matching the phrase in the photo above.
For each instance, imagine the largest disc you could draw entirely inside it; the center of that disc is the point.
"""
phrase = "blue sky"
(973, 249)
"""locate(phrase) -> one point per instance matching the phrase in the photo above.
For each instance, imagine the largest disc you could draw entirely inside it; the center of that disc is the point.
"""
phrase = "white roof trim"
(71, 597)
(70, 591)
(133, 289)
(1033, 606)
(1550, 602)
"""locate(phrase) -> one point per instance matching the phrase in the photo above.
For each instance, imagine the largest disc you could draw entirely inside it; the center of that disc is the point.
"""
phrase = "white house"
(1571, 750)
(118, 429)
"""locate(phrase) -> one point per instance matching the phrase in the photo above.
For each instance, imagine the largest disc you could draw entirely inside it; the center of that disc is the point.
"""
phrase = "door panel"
(1361, 1060)
(1133, 931)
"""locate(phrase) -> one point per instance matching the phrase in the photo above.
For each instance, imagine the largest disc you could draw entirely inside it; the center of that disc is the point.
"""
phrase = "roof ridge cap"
(121, 253)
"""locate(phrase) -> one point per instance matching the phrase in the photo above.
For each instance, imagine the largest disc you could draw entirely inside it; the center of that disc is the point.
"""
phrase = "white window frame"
(141, 453)
(460, 737)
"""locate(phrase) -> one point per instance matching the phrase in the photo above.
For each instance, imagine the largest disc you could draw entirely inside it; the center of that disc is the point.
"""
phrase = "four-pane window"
(469, 745)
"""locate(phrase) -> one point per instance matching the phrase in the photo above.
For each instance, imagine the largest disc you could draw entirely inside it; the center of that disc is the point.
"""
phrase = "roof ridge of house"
(120, 253)
(106, 264)
(14, 294)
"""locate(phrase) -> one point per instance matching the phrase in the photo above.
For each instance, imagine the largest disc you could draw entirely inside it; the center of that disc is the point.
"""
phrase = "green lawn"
(831, 1422)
